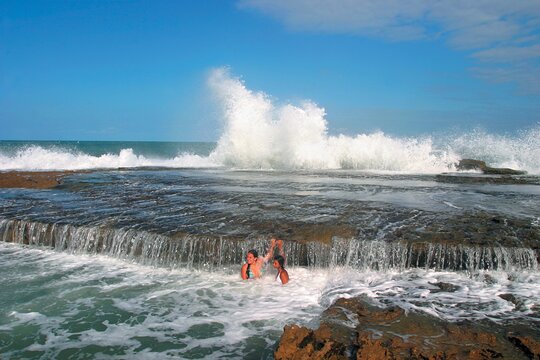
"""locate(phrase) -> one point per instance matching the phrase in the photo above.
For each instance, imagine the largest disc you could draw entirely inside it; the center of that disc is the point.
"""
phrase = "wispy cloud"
(492, 31)
(393, 20)
(509, 54)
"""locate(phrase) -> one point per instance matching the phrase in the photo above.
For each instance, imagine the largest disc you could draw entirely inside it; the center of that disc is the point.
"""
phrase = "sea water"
(144, 263)
(58, 305)
(140, 257)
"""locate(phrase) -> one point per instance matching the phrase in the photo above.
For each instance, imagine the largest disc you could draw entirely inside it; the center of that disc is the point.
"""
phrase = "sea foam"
(39, 158)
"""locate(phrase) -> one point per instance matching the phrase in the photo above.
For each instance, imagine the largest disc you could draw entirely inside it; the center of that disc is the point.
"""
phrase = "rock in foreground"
(354, 329)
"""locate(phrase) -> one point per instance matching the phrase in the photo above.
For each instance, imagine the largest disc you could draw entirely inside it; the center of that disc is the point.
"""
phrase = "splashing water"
(521, 152)
(87, 306)
(259, 134)
(39, 158)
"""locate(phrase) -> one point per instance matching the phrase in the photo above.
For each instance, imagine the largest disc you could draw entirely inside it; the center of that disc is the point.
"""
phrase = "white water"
(39, 158)
(260, 134)
(87, 304)
(76, 301)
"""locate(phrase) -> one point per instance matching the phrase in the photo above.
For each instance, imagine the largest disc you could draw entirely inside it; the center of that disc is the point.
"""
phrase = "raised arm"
(270, 251)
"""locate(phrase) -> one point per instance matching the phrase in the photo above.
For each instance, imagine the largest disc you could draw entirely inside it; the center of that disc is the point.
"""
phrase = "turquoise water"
(60, 306)
(152, 149)
(77, 155)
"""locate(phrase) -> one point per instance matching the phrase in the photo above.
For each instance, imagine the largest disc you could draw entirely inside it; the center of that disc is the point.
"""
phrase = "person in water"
(279, 264)
(252, 269)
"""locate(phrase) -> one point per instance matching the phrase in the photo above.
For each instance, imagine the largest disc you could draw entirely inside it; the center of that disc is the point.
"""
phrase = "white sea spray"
(260, 134)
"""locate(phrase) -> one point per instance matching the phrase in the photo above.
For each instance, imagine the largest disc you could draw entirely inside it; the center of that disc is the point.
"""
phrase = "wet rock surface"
(374, 222)
(33, 179)
(476, 229)
(444, 287)
(355, 329)
(471, 164)
(488, 175)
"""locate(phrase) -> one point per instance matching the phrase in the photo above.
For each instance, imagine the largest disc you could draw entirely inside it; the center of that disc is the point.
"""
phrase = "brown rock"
(300, 343)
(293, 338)
(354, 329)
(32, 179)
(471, 164)
(373, 349)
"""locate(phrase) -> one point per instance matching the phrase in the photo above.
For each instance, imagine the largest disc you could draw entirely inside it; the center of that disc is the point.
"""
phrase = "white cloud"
(348, 16)
(491, 30)
(509, 54)
(467, 23)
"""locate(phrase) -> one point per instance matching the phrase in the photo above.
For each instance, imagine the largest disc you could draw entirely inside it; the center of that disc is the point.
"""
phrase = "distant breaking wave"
(258, 134)
(39, 158)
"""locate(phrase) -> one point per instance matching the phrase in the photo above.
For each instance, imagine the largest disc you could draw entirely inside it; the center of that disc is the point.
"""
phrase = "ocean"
(139, 257)
(136, 254)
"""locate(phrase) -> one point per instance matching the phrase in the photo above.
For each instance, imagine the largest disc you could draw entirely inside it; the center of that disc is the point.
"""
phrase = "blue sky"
(136, 70)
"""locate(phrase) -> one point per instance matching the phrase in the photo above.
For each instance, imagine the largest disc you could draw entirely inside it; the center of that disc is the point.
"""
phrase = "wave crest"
(39, 158)
(259, 134)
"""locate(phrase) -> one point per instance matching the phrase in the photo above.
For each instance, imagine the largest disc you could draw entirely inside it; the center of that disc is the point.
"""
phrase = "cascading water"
(189, 251)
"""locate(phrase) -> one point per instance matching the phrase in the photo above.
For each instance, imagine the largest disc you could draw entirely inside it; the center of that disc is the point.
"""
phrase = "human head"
(252, 256)
(279, 262)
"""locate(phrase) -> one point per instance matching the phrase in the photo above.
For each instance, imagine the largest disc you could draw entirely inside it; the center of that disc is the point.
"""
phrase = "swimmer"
(279, 264)
(252, 269)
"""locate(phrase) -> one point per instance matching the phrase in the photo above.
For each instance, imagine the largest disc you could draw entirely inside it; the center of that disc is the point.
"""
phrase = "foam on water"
(82, 305)
(469, 297)
(86, 304)
(39, 158)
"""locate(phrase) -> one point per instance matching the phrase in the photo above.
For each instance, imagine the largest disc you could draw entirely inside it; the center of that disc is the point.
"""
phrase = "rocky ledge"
(489, 175)
(471, 164)
(355, 329)
(33, 179)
